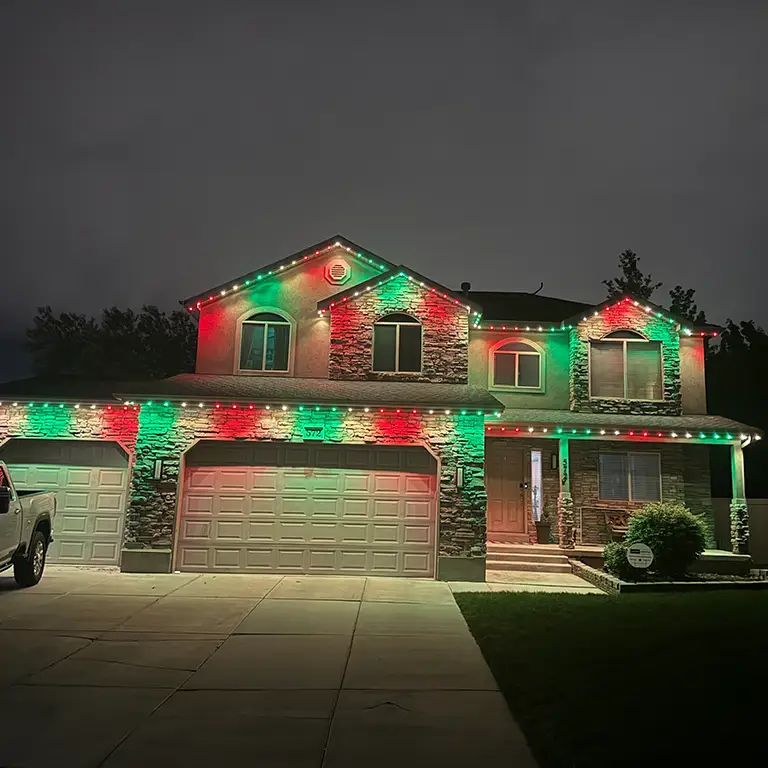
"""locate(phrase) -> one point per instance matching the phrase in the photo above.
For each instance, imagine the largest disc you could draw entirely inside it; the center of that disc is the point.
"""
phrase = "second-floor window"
(626, 366)
(516, 365)
(397, 344)
(265, 343)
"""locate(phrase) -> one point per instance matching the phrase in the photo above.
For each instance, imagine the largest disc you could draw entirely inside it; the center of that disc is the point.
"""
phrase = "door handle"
(523, 485)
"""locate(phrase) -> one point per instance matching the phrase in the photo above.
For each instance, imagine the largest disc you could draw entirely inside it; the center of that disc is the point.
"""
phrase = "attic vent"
(337, 272)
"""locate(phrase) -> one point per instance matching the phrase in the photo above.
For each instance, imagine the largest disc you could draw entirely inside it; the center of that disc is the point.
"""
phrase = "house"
(351, 416)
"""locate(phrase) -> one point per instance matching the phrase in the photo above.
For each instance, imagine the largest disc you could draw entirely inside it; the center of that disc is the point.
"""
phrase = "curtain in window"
(645, 476)
(252, 347)
(607, 369)
(644, 371)
(614, 476)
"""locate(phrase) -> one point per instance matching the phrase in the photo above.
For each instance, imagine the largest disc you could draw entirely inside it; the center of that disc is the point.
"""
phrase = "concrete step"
(540, 549)
(504, 565)
(525, 557)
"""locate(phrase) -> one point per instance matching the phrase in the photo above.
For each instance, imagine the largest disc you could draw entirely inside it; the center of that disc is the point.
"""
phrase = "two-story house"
(350, 416)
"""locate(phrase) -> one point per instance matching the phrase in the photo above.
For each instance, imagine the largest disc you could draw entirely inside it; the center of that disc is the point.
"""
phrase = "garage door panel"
(261, 531)
(229, 530)
(106, 525)
(417, 510)
(233, 480)
(227, 504)
(90, 479)
(352, 509)
(227, 558)
(386, 508)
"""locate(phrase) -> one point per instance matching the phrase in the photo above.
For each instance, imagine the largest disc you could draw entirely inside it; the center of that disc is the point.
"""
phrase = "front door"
(506, 484)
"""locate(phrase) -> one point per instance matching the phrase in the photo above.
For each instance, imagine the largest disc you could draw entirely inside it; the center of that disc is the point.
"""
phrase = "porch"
(585, 474)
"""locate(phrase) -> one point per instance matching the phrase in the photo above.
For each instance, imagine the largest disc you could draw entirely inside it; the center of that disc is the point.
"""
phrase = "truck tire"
(29, 570)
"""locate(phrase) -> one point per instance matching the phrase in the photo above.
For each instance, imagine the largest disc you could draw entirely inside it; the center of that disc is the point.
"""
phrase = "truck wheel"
(29, 570)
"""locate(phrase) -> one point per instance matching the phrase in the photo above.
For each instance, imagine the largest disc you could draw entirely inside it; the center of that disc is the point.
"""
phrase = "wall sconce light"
(553, 460)
(157, 471)
(460, 477)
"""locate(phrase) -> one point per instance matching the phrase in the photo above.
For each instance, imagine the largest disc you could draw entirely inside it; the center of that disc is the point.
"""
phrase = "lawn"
(663, 679)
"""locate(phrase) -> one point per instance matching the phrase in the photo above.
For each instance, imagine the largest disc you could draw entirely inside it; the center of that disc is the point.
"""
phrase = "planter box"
(612, 585)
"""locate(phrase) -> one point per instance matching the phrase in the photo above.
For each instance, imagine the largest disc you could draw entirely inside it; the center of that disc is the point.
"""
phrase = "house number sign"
(639, 555)
(313, 432)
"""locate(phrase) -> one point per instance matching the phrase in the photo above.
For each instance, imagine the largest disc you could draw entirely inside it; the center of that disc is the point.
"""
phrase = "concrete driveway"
(99, 668)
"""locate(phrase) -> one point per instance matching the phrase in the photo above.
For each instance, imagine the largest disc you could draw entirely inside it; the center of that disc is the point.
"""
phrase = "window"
(630, 477)
(517, 365)
(626, 366)
(265, 343)
(397, 344)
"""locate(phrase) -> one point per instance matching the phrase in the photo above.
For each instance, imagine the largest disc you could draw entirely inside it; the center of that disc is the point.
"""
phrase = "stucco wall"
(295, 293)
(692, 382)
(165, 433)
(684, 478)
(445, 334)
(555, 349)
(625, 317)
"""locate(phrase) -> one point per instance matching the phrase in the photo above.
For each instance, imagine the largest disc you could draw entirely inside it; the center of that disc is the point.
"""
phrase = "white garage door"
(303, 508)
(91, 482)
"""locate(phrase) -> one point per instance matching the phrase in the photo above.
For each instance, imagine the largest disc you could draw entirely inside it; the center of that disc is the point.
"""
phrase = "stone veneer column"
(566, 527)
(739, 509)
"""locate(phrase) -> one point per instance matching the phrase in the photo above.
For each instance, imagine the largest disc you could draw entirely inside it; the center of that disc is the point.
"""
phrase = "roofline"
(214, 294)
(647, 306)
(401, 271)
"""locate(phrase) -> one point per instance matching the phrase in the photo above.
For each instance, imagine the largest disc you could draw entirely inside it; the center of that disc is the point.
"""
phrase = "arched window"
(265, 342)
(397, 344)
(624, 365)
(516, 365)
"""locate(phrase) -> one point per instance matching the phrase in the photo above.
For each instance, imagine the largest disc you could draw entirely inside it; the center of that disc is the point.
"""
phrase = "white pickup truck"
(26, 525)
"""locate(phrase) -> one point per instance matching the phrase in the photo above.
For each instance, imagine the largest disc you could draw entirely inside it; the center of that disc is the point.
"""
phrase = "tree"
(683, 305)
(632, 279)
(122, 345)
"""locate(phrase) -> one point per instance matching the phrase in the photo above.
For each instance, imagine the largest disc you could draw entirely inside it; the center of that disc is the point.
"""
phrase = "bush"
(674, 534)
(616, 563)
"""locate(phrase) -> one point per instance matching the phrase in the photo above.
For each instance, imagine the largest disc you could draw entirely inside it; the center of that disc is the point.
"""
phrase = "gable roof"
(194, 303)
(524, 307)
(350, 294)
(688, 328)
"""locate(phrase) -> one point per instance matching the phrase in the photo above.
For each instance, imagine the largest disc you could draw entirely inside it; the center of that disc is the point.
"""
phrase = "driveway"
(99, 668)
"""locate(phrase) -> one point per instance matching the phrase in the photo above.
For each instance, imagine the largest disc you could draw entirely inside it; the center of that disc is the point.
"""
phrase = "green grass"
(646, 680)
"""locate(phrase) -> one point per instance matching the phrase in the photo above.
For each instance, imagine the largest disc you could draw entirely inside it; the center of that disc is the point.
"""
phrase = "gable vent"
(337, 272)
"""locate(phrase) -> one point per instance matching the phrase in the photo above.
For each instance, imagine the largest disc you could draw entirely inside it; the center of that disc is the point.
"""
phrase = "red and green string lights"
(563, 326)
(279, 269)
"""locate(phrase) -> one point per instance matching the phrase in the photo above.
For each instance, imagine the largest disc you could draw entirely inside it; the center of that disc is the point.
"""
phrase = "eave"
(281, 267)
(350, 294)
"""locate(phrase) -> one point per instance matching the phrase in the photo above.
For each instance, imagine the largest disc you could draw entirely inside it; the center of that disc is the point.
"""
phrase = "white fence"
(758, 527)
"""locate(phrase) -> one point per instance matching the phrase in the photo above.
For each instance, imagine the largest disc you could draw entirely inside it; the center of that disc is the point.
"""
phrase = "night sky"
(149, 150)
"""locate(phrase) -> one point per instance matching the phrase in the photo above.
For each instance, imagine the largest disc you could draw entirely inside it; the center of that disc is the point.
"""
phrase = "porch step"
(492, 564)
(526, 557)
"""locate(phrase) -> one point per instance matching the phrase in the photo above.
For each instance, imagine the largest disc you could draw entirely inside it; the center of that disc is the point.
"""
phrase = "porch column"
(739, 510)
(566, 527)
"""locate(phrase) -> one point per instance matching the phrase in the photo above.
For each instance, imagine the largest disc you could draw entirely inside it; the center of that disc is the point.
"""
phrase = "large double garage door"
(308, 508)
(90, 479)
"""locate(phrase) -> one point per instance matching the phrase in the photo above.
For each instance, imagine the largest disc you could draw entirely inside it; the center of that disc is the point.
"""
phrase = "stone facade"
(166, 433)
(69, 423)
(445, 334)
(619, 318)
(684, 478)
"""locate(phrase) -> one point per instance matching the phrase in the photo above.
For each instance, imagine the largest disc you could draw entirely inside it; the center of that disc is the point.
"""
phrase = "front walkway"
(109, 669)
(527, 581)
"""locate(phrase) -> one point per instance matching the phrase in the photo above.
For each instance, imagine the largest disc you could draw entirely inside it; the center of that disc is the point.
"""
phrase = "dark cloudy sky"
(151, 149)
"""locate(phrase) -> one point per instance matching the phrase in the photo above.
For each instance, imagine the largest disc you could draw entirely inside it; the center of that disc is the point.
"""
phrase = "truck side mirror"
(5, 499)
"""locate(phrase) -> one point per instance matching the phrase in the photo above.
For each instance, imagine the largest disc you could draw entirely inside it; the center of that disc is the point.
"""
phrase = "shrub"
(674, 534)
(616, 563)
